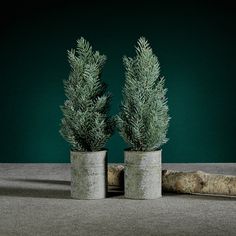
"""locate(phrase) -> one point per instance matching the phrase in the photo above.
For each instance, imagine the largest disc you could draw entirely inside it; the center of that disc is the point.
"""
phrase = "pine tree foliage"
(86, 124)
(143, 120)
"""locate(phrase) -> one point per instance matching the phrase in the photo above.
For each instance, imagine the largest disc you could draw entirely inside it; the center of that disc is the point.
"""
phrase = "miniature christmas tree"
(86, 124)
(143, 120)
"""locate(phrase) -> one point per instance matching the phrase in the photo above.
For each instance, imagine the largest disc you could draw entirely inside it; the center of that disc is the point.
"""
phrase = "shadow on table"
(41, 192)
(14, 191)
(114, 191)
(34, 192)
(197, 196)
(41, 181)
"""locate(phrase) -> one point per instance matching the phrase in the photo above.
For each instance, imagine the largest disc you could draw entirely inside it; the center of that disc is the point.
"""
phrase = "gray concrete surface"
(35, 200)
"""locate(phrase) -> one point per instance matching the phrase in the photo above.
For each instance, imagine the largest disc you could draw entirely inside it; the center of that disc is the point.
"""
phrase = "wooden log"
(184, 182)
(116, 175)
(198, 182)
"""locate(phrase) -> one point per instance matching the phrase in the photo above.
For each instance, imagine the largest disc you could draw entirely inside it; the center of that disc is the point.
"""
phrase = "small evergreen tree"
(143, 120)
(86, 124)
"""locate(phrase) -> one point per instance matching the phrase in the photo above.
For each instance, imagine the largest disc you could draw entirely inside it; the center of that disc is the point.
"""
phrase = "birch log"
(184, 182)
(116, 175)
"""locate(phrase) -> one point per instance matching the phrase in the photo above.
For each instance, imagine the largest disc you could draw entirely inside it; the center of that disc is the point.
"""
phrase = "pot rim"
(138, 151)
(82, 152)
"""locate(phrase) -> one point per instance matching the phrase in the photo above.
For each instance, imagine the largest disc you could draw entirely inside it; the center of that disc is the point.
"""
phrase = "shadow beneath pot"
(114, 191)
(197, 196)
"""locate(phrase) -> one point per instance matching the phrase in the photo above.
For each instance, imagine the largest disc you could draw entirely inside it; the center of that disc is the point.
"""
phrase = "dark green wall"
(195, 43)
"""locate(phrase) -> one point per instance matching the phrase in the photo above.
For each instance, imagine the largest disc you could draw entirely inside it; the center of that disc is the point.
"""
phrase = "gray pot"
(88, 175)
(143, 174)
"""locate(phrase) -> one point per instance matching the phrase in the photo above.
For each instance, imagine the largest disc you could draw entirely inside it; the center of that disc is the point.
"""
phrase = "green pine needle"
(86, 124)
(143, 121)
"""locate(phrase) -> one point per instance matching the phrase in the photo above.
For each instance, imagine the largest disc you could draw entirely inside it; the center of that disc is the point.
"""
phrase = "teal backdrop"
(195, 43)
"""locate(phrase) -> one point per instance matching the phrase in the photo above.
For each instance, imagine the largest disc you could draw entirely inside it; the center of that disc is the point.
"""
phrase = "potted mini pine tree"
(143, 123)
(86, 124)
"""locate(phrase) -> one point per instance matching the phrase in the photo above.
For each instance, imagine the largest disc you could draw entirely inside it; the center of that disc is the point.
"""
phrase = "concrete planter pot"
(143, 175)
(88, 175)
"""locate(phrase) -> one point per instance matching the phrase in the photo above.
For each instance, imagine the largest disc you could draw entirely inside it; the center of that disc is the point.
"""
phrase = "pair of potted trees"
(142, 122)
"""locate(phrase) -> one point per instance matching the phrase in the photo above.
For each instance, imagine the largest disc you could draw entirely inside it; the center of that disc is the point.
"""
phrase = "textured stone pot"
(88, 175)
(143, 174)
